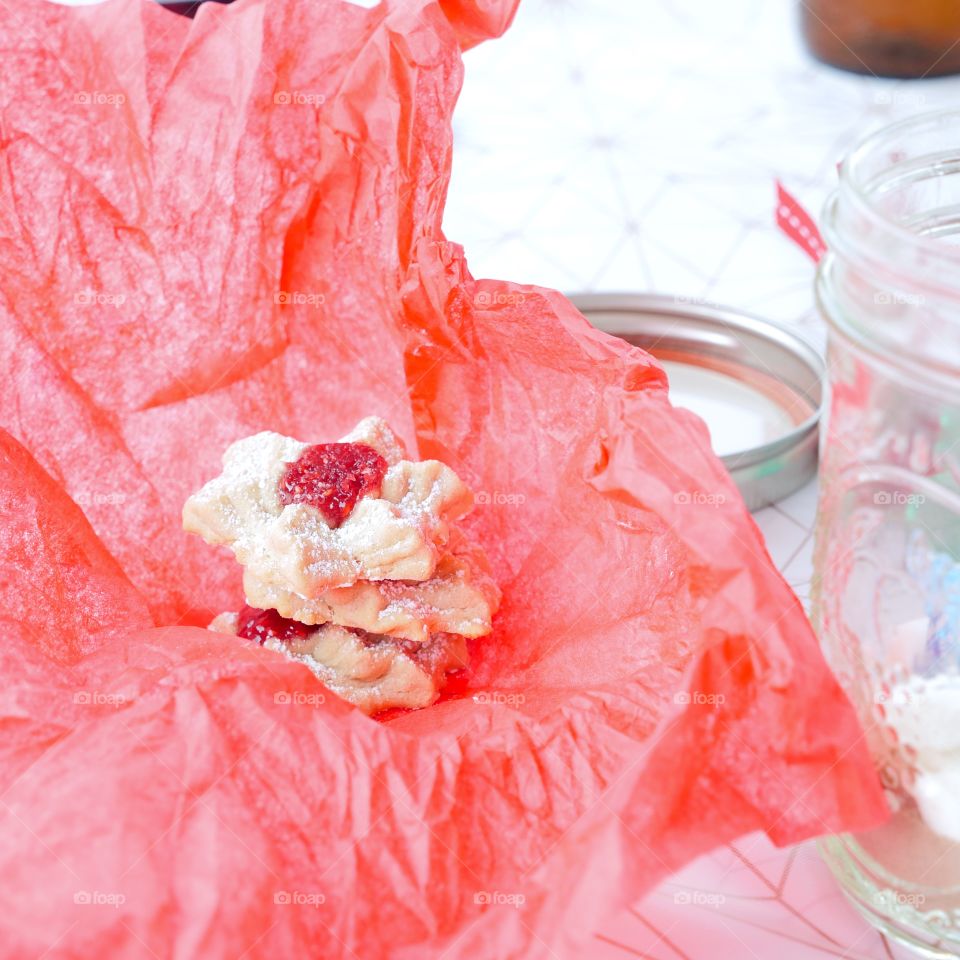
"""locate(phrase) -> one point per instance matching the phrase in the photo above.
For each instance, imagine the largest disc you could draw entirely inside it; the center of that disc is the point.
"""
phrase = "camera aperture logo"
(498, 898)
(98, 898)
(299, 898)
(297, 697)
(298, 298)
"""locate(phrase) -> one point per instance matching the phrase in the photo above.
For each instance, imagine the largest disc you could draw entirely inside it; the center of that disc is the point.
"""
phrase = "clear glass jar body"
(886, 598)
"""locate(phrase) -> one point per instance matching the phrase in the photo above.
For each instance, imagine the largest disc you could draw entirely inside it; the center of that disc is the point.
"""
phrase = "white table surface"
(617, 145)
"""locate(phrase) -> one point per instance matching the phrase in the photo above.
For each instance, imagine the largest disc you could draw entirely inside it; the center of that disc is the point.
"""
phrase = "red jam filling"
(263, 625)
(332, 477)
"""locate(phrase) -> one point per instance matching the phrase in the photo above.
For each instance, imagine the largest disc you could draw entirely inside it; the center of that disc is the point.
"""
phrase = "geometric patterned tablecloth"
(619, 145)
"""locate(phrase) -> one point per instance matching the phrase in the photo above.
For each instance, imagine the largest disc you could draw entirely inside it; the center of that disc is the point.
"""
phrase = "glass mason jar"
(886, 598)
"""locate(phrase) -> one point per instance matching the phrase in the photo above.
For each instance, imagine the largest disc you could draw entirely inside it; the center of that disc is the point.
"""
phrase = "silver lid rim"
(804, 434)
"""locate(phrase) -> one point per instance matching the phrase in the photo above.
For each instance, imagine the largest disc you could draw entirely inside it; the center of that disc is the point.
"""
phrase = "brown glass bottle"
(886, 38)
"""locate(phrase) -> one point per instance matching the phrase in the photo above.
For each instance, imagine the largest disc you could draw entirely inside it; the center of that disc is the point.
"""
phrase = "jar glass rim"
(856, 186)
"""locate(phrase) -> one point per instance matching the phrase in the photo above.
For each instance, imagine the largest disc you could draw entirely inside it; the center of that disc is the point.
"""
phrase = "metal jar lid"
(759, 387)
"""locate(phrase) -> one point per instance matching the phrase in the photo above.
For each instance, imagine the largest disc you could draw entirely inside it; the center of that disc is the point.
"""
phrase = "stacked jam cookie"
(352, 561)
